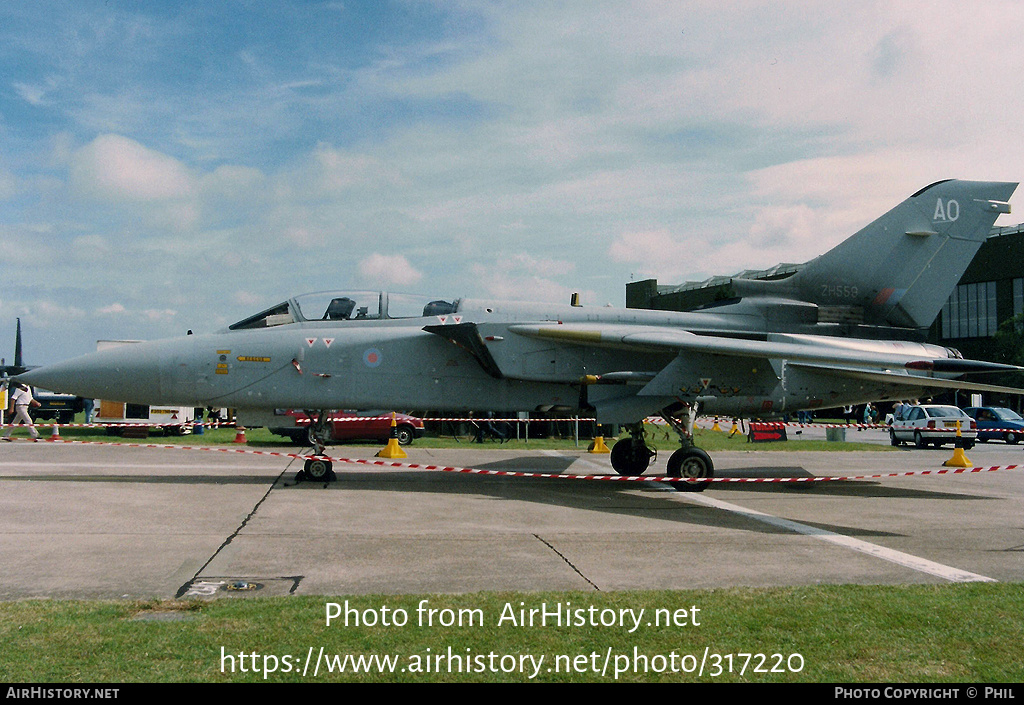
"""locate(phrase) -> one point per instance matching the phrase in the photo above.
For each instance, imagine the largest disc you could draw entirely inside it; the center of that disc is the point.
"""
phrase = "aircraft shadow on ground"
(614, 497)
(620, 497)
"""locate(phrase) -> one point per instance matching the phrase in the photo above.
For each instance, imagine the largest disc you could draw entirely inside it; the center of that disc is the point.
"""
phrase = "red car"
(349, 426)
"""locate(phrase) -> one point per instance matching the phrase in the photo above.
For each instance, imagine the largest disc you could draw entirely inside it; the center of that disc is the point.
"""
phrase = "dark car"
(997, 423)
(350, 426)
(59, 407)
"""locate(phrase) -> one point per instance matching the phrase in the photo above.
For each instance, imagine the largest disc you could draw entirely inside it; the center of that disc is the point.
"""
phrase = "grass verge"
(845, 634)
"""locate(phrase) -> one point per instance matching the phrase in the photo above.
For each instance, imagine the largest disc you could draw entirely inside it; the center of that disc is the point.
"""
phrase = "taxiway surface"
(105, 521)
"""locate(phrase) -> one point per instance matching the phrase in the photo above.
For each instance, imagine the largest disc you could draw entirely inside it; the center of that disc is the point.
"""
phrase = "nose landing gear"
(317, 468)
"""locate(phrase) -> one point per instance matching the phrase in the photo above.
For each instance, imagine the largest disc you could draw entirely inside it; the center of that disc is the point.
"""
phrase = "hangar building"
(990, 293)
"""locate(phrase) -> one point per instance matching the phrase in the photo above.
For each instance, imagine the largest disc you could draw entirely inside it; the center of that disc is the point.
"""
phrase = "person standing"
(869, 414)
(21, 402)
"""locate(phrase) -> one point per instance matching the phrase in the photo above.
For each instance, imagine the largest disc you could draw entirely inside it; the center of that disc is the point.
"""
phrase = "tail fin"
(17, 347)
(901, 269)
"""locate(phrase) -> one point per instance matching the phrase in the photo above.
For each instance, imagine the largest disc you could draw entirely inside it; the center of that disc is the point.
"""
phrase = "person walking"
(21, 402)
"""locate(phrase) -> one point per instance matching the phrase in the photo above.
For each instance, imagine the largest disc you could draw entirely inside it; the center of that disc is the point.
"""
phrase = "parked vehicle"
(123, 419)
(997, 423)
(935, 424)
(349, 426)
(52, 405)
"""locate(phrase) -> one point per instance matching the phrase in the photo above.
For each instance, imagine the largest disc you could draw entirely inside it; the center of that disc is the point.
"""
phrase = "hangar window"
(970, 311)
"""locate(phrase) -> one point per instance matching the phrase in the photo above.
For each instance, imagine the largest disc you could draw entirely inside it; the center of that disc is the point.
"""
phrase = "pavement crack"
(567, 561)
(245, 520)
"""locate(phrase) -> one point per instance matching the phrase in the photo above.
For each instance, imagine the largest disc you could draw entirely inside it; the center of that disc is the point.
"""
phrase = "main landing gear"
(316, 468)
(632, 456)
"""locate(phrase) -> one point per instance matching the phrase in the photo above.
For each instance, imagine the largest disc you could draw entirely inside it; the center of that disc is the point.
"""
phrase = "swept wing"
(901, 363)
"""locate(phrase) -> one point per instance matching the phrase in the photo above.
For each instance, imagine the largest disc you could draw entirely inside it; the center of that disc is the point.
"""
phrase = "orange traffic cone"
(393, 449)
(239, 434)
(55, 434)
(959, 460)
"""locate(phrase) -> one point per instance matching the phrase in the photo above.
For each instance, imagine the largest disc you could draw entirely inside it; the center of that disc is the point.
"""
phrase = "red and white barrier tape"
(556, 476)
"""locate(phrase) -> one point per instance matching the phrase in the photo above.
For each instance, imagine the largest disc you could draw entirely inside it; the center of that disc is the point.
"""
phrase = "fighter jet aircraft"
(844, 329)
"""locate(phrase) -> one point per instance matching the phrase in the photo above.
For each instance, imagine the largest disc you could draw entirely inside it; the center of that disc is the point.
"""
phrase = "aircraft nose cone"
(129, 373)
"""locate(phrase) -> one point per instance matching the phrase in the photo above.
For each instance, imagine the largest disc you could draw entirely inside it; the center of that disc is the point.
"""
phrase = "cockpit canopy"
(347, 306)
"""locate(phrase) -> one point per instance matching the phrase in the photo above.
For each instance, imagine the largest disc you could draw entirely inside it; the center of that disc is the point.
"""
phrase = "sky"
(167, 166)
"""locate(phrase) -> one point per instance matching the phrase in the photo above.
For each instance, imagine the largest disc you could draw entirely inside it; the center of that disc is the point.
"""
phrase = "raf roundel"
(372, 357)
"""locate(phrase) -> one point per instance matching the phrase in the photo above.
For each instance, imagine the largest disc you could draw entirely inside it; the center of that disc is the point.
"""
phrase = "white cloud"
(524, 277)
(656, 254)
(385, 270)
(113, 167)
(159, 314)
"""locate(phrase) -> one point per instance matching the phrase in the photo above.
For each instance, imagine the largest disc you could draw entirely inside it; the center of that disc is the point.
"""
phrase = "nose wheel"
(317, 468)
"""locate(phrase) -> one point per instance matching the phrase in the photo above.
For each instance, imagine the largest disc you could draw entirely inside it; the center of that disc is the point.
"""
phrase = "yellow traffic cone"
(598, 446)
(959, 460)
(392, 449)
(716, 427)
(735, 429)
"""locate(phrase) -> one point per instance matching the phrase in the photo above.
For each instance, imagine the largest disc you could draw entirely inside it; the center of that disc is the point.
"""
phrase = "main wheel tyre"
(318, 469)
(630, 457)
(691, 464)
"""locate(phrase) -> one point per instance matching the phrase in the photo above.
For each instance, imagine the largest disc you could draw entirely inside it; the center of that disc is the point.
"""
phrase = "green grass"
(906, 634)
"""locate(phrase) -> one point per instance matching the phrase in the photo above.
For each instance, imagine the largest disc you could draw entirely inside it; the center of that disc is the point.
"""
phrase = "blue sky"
(179, 165)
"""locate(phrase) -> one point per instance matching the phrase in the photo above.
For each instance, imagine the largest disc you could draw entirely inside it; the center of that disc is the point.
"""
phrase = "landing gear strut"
(632, 456)
(689, 462)
(318, 469)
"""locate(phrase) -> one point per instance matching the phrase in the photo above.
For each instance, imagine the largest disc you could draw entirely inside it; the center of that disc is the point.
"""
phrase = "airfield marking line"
(888, 554)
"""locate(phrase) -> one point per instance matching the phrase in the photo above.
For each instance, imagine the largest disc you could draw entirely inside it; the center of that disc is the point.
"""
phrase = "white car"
(935, 424)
